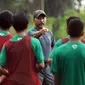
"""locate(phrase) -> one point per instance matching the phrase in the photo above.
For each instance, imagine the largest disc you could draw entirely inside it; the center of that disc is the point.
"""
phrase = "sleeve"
(55, 64)
(3, 57)
(37, 50)
(30, 32)
(57, 44)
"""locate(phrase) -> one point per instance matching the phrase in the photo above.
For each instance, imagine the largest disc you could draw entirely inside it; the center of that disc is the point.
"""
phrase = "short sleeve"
(30, 32)
(37, 50)
(3, 57)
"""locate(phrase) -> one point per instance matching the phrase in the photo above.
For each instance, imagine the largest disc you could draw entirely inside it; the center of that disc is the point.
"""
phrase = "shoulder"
(31, 31)
(83, 45)
(6, 44)
(10, 35)
(63, 47)
(35, 40)
(58, 43)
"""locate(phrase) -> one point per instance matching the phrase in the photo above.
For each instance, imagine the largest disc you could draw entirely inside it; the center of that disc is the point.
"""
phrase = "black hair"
(75, 28)
(6, 19)
(20, 21)
(71, 18)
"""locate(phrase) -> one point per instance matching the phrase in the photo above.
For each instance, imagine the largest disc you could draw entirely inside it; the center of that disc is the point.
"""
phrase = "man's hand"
(50, 60)
(43, 31)
(40, 66)
(40, 33)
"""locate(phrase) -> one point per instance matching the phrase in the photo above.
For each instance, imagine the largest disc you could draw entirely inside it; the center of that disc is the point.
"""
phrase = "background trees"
(57, 11)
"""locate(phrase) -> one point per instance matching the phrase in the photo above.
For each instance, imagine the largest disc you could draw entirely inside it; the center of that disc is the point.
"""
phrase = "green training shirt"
(3, 33)
(69, 63)
(57, 44)
(35, 45)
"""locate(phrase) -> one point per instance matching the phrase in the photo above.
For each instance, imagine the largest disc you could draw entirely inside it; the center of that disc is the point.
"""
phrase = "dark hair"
(20, 21)
(75, 28)
(70, 18)
(6, 19)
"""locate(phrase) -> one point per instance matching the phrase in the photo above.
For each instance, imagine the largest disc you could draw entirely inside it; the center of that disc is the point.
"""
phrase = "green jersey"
(69, 63)
(35, 45)
(57, 44)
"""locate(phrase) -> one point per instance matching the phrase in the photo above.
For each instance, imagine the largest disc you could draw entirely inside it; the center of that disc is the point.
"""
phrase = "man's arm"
(38, 53)
(37, 34)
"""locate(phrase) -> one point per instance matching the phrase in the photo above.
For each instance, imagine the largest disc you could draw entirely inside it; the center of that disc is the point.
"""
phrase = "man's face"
(40, 21)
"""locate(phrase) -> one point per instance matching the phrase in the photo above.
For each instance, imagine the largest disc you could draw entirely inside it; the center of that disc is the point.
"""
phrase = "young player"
(6, 20)
(68, 66)
(63, 40)
(22, 55)
(66, 39)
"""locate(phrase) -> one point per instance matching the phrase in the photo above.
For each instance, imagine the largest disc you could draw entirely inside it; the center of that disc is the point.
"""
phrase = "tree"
(57, 7)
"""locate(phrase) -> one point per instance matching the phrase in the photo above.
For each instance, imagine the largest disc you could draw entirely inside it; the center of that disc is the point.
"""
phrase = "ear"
(82, 33)
(67, 30)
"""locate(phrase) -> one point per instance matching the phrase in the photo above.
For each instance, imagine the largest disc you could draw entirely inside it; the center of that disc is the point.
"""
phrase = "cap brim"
(41, 14)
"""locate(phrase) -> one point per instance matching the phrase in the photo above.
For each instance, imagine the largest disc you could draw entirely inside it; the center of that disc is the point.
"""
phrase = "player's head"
(71, 18)
(6, 19)
(20, 22)
(39, 18)
(76, 28)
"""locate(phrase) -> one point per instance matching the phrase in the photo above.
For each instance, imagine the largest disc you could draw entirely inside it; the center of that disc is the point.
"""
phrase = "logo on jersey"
(1, 34)
(74, 46)
(19, 39)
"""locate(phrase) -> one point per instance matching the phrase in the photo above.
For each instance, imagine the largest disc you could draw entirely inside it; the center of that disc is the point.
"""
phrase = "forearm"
(37, 34)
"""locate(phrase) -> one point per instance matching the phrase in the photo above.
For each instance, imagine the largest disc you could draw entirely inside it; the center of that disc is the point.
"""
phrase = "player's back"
(4, 38)
(21, 61)
(71, 60)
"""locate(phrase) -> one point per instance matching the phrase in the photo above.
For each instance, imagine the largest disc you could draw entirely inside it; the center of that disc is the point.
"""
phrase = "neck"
(38, 28)
(21, 33)
(75, 39)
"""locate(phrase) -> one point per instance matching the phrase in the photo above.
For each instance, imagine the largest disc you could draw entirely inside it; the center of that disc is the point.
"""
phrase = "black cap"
(37, 13)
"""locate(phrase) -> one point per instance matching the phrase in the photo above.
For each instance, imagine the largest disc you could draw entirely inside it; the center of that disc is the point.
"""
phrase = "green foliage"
(17, 5)
(61, 31)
